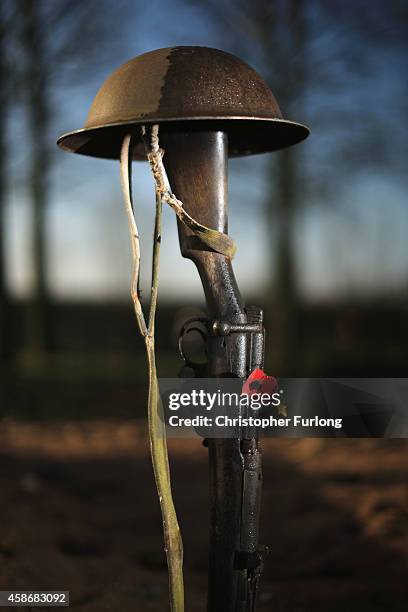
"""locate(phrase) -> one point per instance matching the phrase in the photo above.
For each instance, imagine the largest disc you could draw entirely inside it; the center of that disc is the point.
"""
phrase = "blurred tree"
(3, 296)
(56, 39)
(288, 80)
(36, 91)
(7, 16)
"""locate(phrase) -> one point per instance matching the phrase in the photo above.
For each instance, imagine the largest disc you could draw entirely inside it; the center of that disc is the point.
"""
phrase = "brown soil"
(79, 512)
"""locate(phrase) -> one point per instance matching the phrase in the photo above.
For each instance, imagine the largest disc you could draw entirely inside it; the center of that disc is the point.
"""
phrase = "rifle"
(196, 165)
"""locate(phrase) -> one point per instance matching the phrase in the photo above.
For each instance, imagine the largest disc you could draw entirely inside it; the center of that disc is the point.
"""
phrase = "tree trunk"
(38, 117)
(285, 177)
(5, 329)
(285, 300)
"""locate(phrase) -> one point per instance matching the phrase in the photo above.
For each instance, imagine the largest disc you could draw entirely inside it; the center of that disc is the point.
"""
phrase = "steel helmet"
(185, 88)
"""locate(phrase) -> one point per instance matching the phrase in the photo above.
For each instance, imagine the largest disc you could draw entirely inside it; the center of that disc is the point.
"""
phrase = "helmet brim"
(246, 135)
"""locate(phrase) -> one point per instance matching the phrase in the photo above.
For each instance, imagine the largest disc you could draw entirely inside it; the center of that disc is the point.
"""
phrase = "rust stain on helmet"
(188, 88)
(132, 92)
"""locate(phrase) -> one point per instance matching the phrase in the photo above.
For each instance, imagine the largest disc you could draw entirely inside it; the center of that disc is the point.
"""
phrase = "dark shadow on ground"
(92, 526)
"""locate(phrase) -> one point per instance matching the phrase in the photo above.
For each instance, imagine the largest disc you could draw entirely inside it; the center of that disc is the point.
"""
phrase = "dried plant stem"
(126, 180)
(158, 445)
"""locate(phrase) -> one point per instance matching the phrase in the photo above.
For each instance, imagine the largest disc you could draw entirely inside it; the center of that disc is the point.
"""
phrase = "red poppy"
(259, 382)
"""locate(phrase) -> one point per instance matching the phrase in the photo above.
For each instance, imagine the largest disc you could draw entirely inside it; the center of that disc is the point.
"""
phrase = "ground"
(79, 512)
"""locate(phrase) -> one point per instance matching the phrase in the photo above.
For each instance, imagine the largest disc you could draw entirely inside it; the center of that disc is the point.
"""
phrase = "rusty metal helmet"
(185, 88)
